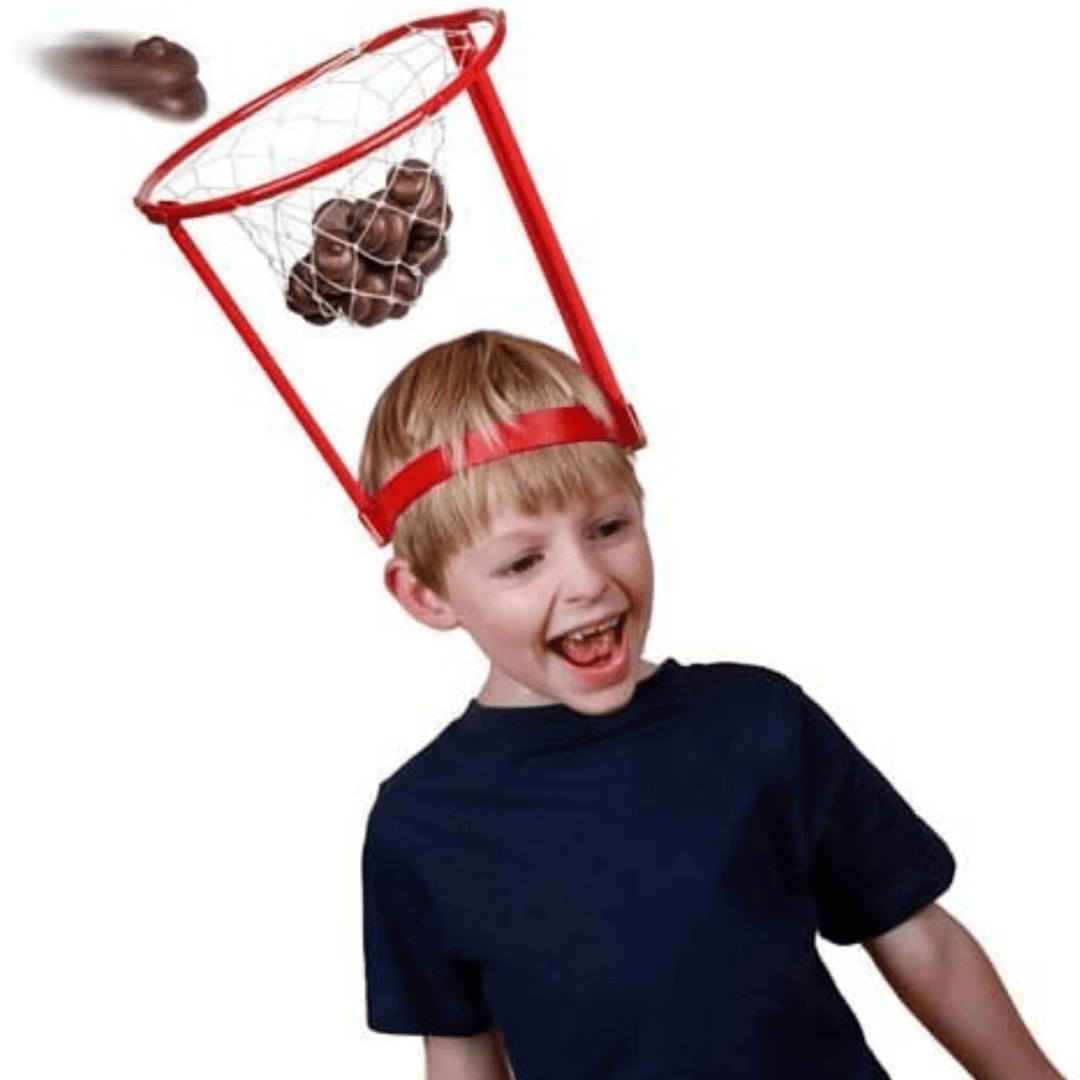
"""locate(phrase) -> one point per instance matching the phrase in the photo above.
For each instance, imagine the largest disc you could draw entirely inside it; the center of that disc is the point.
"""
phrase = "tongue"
(593, 650)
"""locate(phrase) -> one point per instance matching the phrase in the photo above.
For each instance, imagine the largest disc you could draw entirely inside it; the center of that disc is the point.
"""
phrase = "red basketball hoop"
(325, 125)
(473, 63)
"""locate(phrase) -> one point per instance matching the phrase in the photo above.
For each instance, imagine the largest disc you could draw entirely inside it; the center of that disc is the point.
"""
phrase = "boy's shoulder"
(733, 672)
(446, 764)
(757, 706)
(736, 682)
(430, 760)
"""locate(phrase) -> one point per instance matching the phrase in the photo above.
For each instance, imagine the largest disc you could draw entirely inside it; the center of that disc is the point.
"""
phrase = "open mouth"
(593, 646)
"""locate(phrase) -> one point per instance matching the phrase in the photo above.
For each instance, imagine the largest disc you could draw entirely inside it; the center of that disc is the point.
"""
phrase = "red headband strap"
(529, 431)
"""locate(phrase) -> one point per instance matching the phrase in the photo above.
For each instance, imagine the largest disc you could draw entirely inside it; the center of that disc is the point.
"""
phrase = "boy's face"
(559, 602)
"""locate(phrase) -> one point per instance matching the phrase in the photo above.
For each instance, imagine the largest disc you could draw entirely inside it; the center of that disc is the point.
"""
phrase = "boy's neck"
(493, 693)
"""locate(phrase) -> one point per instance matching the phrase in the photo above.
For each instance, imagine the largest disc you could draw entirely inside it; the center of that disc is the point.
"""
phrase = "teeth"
(584, 635)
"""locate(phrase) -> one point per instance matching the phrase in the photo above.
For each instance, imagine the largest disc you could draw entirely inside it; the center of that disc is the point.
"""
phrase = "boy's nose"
(584, 578)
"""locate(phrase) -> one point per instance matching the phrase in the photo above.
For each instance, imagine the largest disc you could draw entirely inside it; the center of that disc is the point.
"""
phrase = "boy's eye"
(520, 566)
(612, 526)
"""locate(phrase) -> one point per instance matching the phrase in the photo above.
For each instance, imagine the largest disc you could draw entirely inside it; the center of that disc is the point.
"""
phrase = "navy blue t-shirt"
(636, 896)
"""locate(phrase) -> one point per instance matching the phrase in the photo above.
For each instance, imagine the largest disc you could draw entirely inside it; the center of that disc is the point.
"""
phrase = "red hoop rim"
(167, 211)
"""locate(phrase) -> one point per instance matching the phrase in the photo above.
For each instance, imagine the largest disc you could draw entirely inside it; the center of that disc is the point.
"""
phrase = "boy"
(606, 868)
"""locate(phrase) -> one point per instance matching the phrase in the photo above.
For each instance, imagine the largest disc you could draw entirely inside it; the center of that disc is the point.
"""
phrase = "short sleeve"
(414, 985)
(874, 861)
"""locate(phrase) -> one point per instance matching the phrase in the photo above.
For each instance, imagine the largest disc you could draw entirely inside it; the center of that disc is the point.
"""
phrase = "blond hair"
(474, 383)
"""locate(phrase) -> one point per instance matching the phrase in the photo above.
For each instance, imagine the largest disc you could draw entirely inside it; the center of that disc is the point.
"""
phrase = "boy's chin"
(590, 692)
(596, 693)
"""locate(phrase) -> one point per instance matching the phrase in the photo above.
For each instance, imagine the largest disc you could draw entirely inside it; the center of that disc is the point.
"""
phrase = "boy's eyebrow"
(528, 532)
(515, 536)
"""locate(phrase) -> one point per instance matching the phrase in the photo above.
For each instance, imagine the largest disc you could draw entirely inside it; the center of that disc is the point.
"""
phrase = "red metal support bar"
(270, 366)
(546, 245)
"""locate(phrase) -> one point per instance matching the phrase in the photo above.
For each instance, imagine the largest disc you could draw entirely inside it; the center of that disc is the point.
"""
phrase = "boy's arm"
(467, 1057)
(943, 976)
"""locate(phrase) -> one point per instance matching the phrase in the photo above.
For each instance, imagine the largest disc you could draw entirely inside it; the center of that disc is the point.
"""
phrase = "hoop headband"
(159, 201)
(529, 431)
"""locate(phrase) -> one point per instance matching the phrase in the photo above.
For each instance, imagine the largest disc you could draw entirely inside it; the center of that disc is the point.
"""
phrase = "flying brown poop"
(156, 74)
(369, 257)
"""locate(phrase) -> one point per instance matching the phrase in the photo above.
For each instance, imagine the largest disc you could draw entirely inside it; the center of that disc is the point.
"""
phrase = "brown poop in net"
(369, 258)
(156, 74)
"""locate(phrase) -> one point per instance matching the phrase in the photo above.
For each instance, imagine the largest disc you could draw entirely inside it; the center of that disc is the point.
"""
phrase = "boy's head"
(471, 384)
(523, 549)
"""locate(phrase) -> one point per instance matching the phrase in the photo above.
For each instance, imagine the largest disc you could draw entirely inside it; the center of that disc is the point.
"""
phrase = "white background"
(833, 251)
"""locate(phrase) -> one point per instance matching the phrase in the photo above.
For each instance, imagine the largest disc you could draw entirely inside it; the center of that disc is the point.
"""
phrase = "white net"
(360, 242)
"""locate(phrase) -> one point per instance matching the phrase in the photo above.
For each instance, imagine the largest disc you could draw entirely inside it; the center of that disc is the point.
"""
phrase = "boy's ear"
(417, 599)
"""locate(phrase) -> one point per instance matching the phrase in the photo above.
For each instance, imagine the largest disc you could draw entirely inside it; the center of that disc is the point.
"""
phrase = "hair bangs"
(549, 479)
